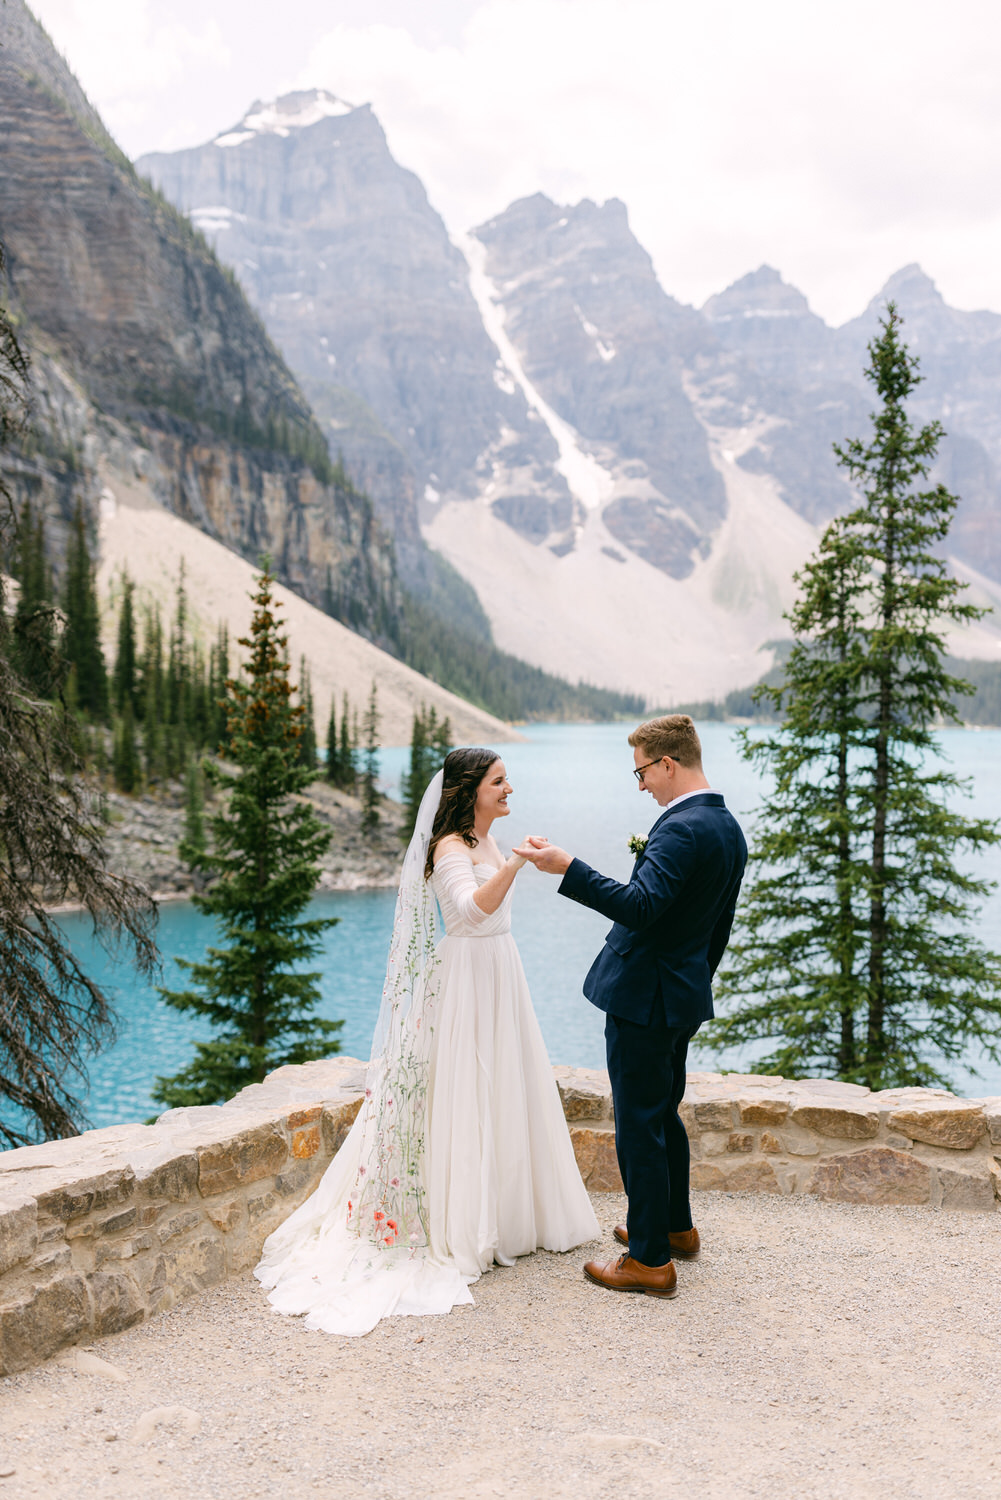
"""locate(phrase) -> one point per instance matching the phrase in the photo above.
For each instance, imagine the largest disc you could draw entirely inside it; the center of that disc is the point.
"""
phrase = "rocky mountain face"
(628, 483)
(357, 280)
(147, 359)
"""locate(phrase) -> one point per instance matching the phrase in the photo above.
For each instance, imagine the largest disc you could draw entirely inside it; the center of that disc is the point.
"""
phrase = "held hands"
(544, 855)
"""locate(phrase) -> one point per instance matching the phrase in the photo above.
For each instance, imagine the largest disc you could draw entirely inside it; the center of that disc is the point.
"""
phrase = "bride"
(460, 1157)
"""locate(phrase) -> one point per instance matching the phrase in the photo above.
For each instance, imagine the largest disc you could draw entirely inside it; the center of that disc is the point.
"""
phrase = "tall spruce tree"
(853, 952)
(266, 844)
(308, 755)
(370, 765)
(349, 750)
(429, 744)
(81, 642)
(332, 763)
(125, 677)
(33, 643)
(52, 1013)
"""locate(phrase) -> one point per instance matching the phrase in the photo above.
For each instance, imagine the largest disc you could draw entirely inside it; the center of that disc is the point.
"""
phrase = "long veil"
(388, 1202)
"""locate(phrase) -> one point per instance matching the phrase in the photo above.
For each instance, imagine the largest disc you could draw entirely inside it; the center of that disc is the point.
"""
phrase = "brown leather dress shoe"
(628, 1275)
(685, 1245)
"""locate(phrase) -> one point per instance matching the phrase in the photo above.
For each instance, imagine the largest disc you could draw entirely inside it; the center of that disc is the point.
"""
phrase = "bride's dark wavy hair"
(464, 770)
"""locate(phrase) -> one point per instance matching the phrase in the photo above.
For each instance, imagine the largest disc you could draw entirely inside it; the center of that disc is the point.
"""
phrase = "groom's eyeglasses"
(638, 771)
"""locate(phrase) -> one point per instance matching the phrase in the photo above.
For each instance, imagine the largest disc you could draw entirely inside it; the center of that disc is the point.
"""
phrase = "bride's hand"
(537, 841)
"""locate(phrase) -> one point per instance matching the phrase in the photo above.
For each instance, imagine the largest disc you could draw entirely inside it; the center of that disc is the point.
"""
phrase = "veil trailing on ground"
(388, 1202)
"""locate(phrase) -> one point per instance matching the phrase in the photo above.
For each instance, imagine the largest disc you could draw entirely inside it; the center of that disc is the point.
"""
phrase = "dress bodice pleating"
(455, 882)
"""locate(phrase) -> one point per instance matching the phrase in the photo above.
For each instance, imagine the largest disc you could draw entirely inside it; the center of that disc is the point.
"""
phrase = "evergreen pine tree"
(81, 642)
(177, 686)
(349, 751)
(429, 744)
(370, 765)
(126, 765)
(851, 952)
(33, 645)
(308, 755)
(332, 769)
(192, 846)
(52, 1013)
(266, 844)
(153, 696)
(125, 677)
(218, 677)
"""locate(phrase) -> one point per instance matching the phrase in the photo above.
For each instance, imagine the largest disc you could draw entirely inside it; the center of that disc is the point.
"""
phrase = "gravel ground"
(816, 1351)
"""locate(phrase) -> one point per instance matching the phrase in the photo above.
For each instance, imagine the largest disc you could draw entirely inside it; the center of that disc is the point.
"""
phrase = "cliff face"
(356, 278)
(146, 352)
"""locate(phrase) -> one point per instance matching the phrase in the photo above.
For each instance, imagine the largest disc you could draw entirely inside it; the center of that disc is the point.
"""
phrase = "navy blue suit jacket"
(672, 919)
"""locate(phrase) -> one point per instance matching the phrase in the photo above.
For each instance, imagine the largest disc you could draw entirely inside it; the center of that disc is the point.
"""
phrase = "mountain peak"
(296, 111)
(759, 294)
(914, 285)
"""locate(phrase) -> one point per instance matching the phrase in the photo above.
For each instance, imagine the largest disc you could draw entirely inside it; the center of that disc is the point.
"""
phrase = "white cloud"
(835, 141)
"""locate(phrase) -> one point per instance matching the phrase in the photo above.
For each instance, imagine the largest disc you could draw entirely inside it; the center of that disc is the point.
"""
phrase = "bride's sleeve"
(454, 870)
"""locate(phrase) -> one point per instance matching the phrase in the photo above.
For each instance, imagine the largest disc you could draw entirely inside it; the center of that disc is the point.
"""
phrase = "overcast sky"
(836, 141)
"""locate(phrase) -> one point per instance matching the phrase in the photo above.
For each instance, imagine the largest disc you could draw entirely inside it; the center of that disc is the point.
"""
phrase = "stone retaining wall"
(111, 1227)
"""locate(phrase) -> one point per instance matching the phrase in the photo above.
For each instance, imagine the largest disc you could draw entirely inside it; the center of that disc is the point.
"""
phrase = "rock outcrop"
(357, 280)
(146, 354)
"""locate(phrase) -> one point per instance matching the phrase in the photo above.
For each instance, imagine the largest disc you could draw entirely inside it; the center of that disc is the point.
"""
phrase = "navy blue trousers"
(646, 1067)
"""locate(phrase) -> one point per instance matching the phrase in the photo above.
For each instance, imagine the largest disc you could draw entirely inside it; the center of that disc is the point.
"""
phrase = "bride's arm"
(455, 870)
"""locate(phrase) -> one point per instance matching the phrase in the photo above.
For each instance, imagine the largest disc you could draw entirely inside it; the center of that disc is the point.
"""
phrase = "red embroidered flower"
(391, 1224)
(378, 1215)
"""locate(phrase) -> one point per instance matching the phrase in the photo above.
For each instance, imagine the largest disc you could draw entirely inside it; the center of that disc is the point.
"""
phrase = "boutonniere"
(637, 843)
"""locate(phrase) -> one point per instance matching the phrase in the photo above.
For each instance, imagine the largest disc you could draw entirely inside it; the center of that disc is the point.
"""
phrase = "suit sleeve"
(667, 865)
(721, 935)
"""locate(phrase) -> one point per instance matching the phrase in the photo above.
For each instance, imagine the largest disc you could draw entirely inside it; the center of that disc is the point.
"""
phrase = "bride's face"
(492, 794)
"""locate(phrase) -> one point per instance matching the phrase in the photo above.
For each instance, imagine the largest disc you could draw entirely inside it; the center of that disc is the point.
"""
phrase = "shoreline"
(144, 830)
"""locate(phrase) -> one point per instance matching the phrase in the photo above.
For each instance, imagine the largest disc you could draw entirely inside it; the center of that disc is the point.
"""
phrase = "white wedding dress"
(498, 1178)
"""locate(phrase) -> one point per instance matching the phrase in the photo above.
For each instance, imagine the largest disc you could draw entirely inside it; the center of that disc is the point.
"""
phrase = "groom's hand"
(544, 855)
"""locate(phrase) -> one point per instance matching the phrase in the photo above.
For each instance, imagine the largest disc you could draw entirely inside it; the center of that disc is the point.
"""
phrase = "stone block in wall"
(306, 1142)
(117, 1301)
(966, 1187)
(876, 1174)
(226, 1216)
(88, 1195)
(337, 1121)
(740, 1142)
(956, 1124)
(992, 1114)
(751, 1177)
(596, 1159)
(194, 1264)
(707, 1178)
(762, 1111)
(770, 1144)
(994, 1167)
(585, 1095)
(713, 1114)
(18, 1231)
(840, 1121)
(249, 1155)
(47, 1319)
(175, 1178)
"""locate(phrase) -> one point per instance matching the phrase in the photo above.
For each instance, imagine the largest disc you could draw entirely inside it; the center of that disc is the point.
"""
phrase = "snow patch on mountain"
(588, 480)
(282, 116)
(613, 619)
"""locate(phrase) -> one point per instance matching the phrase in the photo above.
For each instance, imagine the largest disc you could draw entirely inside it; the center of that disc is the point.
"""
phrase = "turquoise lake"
(571, 783)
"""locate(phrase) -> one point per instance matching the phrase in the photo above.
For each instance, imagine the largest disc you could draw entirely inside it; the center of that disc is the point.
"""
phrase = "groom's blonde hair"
(674, 735)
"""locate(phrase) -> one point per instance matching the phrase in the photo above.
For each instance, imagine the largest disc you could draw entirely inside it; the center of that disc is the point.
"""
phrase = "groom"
(653, 981)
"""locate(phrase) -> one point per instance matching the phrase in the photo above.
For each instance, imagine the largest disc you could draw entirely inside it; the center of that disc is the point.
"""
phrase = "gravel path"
(816, 1351)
